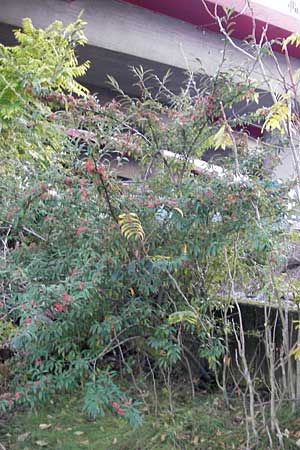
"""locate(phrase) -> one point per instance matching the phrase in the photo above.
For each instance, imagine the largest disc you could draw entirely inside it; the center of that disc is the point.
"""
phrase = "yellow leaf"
(183, 316)
(159, 258)
(131, 226)
(222, 138)
(277, 115)
(293, 39)
(295, 352)
(179, 211)
(131, 292)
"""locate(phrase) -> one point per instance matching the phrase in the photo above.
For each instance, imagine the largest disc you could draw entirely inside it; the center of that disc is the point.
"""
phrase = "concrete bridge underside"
(122, 35)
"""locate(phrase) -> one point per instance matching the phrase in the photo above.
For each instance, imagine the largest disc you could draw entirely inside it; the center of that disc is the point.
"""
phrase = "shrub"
(97, 266)
(103, 276)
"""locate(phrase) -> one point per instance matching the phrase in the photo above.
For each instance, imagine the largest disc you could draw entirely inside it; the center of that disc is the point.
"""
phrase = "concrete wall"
(285, 169)
(120, 34)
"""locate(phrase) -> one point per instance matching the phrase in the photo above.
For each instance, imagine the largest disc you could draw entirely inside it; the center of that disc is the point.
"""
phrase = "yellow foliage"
(277, 115)
(295, 352)
(292, 39)
(222, 138)
(131, 226)
(183, 316)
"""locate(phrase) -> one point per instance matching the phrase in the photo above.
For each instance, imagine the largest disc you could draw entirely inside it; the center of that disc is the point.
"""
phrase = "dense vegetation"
(109, 286)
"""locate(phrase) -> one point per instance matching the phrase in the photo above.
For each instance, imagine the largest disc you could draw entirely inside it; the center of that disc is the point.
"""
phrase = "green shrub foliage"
(103, 275)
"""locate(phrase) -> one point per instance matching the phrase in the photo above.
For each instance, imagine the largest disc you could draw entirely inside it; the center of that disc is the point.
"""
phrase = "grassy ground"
(202, 425)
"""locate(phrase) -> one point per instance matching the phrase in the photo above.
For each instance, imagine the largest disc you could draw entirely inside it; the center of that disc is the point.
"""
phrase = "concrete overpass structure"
(158, 34)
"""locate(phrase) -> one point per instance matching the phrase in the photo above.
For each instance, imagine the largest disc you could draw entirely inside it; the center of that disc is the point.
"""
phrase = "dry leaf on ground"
(23, 437)
(45, 426)
(42, 443)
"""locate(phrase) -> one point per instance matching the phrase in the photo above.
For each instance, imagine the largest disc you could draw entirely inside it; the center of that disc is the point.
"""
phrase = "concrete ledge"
(136, 32)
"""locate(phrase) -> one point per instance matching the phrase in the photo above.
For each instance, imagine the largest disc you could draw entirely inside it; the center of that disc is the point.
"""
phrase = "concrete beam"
(126, 33)
(106, 62)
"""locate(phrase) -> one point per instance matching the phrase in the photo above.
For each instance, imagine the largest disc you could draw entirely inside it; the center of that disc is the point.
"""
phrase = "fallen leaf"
(195, 441)
(115, 441)
(181, 436)
(84, 442)
(78, 433)
(41, 443)
(22, 437)
(298, 443)
(45, 426)
(69, 429)
(163, 437)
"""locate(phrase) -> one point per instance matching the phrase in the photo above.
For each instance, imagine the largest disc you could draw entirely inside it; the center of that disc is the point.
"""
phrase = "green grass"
(202, 425)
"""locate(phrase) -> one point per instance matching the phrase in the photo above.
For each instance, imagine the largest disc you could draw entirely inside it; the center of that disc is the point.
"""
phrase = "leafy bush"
(103, 275)
(41, 61)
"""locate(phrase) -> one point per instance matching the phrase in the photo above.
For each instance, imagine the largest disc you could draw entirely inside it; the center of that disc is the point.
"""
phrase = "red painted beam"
(280, 25)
